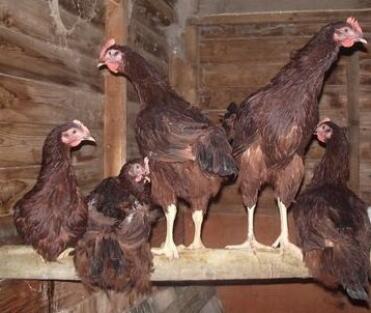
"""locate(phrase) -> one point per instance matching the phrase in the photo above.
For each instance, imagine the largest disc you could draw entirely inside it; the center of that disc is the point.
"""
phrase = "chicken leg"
(283, 240)
(251, 243)
(168, 248)
(197, 217)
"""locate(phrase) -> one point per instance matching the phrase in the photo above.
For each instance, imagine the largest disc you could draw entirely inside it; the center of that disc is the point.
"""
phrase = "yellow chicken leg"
(168, 248)
(283, 241)
(251, 243)
(197, 217)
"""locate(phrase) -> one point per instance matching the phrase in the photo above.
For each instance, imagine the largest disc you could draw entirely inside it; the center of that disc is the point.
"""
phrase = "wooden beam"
(115, 93)
(22, 262)
(353, 83)
(324, 16)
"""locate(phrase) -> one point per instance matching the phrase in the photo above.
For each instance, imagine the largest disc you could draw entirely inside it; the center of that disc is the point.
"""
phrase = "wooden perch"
(22, 262)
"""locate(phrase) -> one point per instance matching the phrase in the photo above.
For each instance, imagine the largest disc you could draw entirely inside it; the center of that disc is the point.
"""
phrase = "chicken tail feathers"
(116, 256)
(358, 294)
(214, 154)
(100, 261)
(342, 265)
(107, 254)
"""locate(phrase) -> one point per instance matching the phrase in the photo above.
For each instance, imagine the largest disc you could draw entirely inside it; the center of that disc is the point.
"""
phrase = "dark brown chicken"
(53, 214)
(114, 253)
(333, 226)
(189, 156)
(273, 126)
(114, 195)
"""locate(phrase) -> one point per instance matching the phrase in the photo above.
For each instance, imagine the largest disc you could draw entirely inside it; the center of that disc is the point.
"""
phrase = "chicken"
(53, 214)
(114, 253)
(333, 226)
(273, 127)
(189, 156)
(116, 194)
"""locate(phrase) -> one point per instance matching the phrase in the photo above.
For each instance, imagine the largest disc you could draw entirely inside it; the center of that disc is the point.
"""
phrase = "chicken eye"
(346, 30)
(74, 131)
(113, 53)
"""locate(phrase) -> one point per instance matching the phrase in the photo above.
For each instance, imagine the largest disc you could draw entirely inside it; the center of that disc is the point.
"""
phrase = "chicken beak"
(363, 40)
(89, 138)
(101, 64)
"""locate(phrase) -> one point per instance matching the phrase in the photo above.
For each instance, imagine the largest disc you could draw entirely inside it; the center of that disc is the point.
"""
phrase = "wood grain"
(24, 100)
(82, 68)
(45, 79)
(203, 265)
(115, 94)
(18, 296)
(312, 16)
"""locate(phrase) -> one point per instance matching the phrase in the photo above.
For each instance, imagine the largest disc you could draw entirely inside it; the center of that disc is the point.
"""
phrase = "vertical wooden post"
(115, 102)
(353, 119)
(192, 59)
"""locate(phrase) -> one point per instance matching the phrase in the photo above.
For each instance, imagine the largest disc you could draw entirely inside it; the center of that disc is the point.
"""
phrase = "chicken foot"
(65, 253)
(283, 241)
(251, 243)
(168, 248)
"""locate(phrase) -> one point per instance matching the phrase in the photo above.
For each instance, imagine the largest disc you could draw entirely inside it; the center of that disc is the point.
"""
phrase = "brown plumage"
(273, 126)
(189, 156)
(114, 253)
(53, 214)
(333, 226)
(114, 195)
(228, 121)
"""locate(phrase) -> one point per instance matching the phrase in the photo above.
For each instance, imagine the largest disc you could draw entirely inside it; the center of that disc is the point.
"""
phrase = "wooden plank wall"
(45, 80)
(240, 53)
(238, 6)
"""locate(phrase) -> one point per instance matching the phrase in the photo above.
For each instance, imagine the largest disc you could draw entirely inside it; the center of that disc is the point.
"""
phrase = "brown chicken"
(273, 126)
(114, 253)
(333, 226)
(114, 195)
(189, 156)
(53, 214)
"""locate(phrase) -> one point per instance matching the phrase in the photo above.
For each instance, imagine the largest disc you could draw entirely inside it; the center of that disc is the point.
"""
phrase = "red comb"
(324, 120)
(108, 44)
(81, 125)
(354, 23)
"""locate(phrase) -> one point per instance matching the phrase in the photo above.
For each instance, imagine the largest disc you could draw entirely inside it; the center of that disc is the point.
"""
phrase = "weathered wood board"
(45, 79)
(207, 264)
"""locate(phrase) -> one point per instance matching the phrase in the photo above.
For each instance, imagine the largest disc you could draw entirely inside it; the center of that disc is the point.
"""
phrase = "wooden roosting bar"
(22, 262)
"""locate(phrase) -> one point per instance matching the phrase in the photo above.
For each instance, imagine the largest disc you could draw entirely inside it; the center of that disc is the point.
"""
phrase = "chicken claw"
(65, 253)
